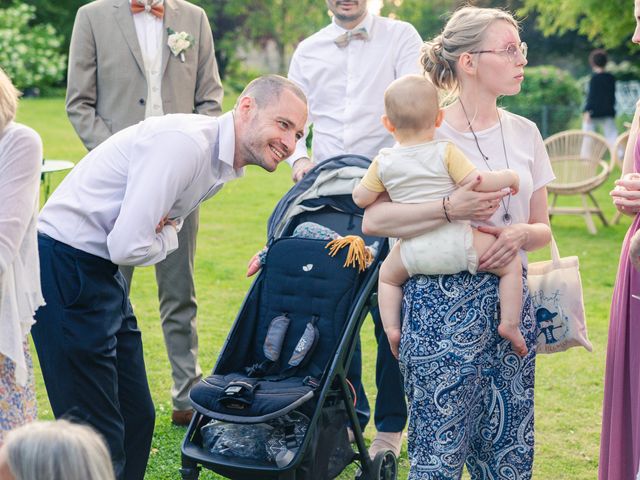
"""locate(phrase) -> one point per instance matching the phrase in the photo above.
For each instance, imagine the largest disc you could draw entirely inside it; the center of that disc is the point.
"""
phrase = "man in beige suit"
(121, 71)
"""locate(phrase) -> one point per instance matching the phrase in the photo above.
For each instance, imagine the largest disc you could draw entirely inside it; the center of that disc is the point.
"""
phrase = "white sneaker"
(386, 441)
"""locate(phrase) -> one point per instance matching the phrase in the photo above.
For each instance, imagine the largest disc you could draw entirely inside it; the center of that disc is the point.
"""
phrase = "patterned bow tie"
(154, 7)
(358, 34)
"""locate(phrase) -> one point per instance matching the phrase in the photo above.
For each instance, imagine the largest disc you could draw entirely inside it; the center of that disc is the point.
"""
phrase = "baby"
(419, 169)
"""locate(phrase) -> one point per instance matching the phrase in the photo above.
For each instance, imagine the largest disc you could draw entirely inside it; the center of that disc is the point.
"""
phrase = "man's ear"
(387, 124)
(245, 106)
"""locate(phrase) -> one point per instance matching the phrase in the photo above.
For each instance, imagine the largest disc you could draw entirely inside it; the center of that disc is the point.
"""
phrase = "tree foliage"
(609, 23)
(29, 53)
(242, 23)
(59, 13)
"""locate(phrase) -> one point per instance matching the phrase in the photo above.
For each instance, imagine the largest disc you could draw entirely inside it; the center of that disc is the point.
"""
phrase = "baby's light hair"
(411, 103)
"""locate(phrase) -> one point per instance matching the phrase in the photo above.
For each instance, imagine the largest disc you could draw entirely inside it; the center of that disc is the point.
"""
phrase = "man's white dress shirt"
(149, 32)
(112, 200)
(345, 86)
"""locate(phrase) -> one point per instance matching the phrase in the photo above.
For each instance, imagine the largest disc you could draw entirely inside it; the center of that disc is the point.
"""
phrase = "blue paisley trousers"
(470, 396)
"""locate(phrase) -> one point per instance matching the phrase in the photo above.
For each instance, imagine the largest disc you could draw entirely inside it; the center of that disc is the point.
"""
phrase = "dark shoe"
(182, 418)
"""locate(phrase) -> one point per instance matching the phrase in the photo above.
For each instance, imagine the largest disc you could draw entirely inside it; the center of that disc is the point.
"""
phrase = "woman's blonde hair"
(58, 450)
(8, 100)
(464, 32)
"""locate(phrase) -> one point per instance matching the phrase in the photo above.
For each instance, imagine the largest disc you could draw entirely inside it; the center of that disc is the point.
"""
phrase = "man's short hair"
(598, 58)
(411, 103)
(268, 88)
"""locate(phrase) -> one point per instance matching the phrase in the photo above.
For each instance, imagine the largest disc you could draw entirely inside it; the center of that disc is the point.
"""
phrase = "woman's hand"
(509, 241)
(626, 195)
(467, 204)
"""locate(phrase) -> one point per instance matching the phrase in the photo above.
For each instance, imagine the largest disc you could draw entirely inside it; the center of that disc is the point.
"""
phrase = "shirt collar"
(158, 2)
(366, 23)
(227, 142)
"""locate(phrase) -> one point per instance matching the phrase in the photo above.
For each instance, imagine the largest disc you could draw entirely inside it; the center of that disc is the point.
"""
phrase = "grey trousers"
(178, 309)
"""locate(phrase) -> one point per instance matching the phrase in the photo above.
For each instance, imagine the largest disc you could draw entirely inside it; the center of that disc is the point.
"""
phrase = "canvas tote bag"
(556, 292)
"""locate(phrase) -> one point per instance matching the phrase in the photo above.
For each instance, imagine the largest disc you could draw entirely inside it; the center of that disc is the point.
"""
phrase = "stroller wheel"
(385, 466)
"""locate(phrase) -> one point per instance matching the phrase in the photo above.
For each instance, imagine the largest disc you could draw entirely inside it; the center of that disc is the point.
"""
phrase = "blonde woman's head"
(58, 450)
(463, 33)
(8, 100)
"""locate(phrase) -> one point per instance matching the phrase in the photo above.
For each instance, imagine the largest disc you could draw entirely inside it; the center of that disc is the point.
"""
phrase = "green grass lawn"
(233, 226)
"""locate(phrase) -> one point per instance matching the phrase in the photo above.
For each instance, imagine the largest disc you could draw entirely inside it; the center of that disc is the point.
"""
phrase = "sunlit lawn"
(232, 228)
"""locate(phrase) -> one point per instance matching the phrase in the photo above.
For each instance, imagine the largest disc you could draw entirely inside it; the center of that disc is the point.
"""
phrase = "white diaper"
(446, 250)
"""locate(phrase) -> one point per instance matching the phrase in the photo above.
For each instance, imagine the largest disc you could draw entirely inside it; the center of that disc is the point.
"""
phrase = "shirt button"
(141, 101)
(155, 89)
(156, 107)
(154, 72)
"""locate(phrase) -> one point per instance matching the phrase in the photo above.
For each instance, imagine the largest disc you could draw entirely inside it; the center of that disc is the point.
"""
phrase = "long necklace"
(506, 218)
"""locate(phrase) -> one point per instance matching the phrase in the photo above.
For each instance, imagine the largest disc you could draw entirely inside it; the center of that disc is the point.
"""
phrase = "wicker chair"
(618, 152)
(581, 161)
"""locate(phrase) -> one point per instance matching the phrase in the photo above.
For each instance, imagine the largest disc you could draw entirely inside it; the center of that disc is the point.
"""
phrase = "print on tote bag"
(556, 293)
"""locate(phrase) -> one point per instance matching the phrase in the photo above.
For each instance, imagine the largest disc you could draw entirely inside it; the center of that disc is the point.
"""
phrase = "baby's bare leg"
(510, 294)
(392, 277)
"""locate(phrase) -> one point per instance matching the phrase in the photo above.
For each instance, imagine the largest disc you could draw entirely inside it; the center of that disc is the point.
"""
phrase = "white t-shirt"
(526, 154)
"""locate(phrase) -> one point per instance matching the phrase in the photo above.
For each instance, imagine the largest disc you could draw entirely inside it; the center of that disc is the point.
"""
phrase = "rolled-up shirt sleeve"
(161, 169)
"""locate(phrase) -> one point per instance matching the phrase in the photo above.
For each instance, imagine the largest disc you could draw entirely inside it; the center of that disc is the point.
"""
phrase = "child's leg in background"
(510, 293)
(392, 277)
(610, 130)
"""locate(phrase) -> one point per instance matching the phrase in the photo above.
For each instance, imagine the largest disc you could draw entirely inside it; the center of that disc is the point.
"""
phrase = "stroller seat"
(300, 283)
(278, 401)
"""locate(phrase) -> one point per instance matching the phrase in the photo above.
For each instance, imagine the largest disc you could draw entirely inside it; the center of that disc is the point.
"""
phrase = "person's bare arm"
(386, 219)
(494, 181)
(526, 236)
(626, 194)
(363, 197)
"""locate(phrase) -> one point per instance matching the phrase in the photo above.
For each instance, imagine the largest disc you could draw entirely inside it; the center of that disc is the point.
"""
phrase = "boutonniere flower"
(179, 42)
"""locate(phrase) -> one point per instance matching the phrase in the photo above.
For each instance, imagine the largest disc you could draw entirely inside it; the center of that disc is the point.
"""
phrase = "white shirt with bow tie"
(345, 86)
(149, 30)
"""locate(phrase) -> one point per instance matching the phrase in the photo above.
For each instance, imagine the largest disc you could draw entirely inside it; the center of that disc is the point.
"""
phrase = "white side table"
(49, 167)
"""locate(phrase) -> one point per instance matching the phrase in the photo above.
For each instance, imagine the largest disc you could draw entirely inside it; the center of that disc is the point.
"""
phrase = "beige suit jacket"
(106, 85)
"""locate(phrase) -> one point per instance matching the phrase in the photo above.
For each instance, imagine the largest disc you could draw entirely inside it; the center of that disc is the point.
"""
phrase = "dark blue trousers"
(391, 406)
(90, 351)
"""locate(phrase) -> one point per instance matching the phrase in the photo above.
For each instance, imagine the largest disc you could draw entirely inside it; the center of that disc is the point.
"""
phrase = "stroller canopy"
(329, 183)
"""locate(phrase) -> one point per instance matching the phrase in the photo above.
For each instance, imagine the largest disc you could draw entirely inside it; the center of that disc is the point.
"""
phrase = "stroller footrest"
(238, 398)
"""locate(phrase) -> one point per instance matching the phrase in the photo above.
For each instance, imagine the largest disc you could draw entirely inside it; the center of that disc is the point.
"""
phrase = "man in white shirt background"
(344, 70)
(121, 71)
(116, 207)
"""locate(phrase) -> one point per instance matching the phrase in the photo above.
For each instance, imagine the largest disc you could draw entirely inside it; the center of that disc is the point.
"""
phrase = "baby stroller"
(278, 403)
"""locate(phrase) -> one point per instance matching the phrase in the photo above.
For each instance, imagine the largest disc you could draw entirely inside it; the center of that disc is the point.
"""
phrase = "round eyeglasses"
(511, 51)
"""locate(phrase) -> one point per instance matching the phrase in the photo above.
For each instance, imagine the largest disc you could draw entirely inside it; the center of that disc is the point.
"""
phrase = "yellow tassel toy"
(358, 256)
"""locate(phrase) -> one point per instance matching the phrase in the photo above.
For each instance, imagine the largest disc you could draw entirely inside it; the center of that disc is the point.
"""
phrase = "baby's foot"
(512, 333)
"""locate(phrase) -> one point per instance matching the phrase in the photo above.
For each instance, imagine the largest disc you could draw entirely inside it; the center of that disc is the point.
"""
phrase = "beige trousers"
(178, 310)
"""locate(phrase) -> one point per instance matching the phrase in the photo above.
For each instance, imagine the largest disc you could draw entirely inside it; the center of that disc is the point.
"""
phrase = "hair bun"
(435, 64)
